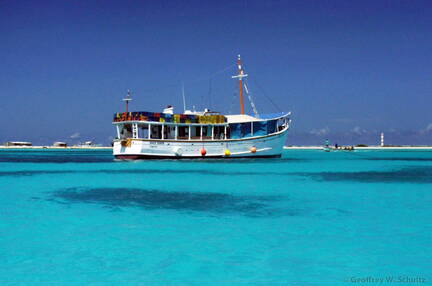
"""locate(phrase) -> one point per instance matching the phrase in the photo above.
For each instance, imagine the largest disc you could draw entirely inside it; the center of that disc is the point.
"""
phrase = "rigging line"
(223, 70)
(233, 99)
(265, 94)
(250, 99)
(173, 84)
(212, 75)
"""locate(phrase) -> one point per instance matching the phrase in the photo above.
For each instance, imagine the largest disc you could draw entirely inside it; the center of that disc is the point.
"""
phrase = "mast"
(240, 76)
(127, 99)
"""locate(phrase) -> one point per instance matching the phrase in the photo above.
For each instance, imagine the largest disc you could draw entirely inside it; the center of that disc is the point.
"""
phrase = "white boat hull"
(265, 146)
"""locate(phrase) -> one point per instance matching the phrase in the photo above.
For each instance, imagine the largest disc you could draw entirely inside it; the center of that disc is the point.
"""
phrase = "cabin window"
(207, 132)
(240, 130)
(259, 128)
(204, 131)
(143, 131)
(126, 131)
(156, 132)
(196, 132)
(183, 132)
(169, 132)
(281, 123)
(235, 130)
(246, 130)
(219, 132)
(271, 126)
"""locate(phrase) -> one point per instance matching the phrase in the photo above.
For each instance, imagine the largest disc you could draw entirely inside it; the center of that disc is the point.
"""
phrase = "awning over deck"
(273, 115)
(242, 118)
(238, 118)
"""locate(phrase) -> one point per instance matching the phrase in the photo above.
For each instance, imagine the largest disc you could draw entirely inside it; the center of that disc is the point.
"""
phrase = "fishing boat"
(200, 134)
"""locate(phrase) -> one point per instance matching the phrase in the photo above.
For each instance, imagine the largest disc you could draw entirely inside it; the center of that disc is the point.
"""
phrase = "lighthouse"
(382, 139)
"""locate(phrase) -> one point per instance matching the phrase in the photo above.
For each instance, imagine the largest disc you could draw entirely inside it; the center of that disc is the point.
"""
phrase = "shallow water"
(309, 218)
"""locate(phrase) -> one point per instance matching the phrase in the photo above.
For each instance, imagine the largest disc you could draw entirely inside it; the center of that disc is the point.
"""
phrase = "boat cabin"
(205, 127)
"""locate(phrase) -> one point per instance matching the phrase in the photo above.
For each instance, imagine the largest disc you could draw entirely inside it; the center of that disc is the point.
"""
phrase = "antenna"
(184, 98)
(240, 76)
(127, 99)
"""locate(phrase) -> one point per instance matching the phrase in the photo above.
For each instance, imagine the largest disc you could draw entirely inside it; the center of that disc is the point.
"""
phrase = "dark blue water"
(309, 218)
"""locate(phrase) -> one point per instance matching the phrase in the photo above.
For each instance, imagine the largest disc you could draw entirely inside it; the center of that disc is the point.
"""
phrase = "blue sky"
(346, 69)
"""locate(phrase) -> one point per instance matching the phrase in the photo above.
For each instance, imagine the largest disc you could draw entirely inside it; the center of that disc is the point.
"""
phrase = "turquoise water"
(308, 218)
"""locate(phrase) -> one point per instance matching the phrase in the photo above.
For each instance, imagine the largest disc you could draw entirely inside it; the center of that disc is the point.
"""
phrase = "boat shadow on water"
(212, 203)
(217, 204)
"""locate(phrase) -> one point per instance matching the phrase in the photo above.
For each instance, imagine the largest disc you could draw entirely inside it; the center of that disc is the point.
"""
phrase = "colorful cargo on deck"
(174, 118)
